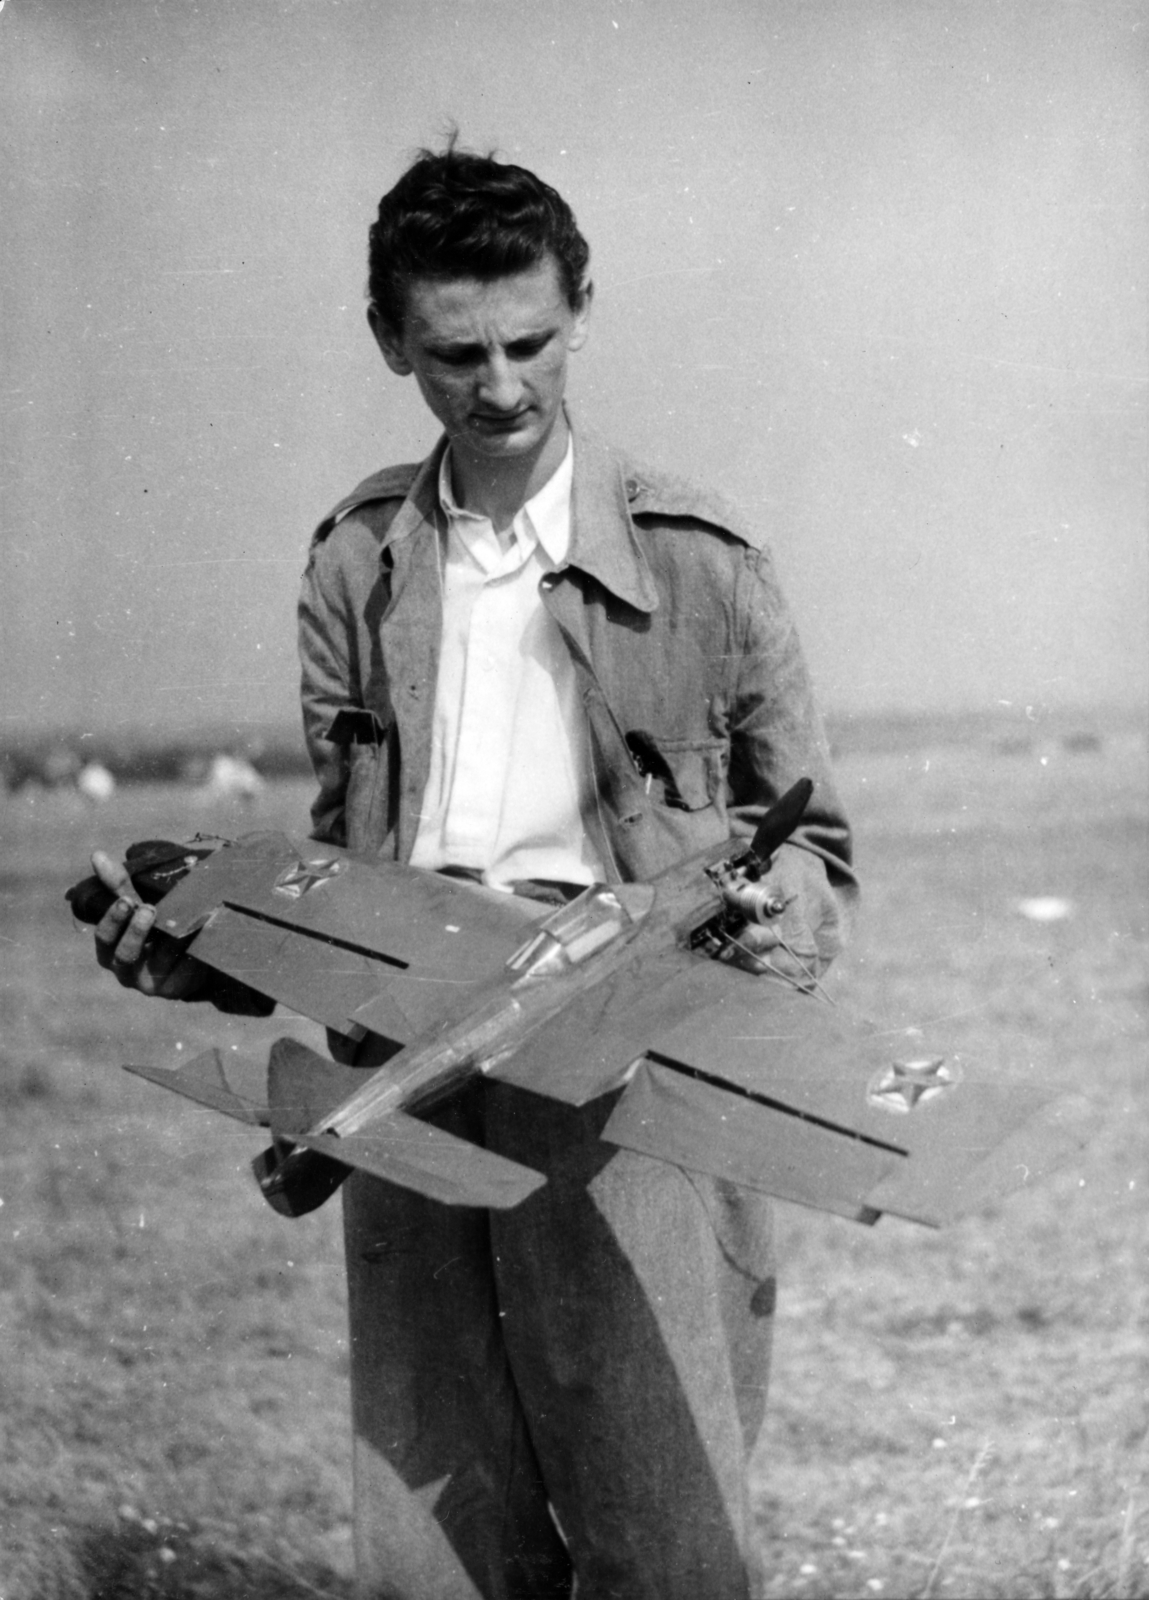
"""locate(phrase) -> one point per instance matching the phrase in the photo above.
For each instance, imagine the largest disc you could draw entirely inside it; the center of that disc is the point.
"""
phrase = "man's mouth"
(500, 421)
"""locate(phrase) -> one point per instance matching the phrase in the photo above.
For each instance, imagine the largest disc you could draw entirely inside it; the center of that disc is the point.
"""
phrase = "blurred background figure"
(232, 778)
(95, 782)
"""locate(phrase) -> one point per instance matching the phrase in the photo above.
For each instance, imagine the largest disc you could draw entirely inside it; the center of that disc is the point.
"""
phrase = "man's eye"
(523, 350)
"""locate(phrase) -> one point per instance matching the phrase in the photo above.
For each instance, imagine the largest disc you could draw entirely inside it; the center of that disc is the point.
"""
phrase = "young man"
(534, 662)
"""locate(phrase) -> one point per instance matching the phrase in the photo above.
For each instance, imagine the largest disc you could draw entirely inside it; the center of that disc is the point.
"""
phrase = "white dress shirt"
(508, 782)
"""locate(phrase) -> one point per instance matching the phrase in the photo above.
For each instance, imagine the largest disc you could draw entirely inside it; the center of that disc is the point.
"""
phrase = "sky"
(876, 269)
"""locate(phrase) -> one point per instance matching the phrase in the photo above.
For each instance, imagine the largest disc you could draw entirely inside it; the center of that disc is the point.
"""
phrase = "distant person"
(534, 661)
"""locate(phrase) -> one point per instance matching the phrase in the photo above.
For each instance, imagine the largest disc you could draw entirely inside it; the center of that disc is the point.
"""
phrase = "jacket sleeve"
(326, 653)
(777, 737)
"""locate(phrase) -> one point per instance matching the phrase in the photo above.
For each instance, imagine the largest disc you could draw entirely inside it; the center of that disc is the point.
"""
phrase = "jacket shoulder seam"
(662, 494)
(393, 483)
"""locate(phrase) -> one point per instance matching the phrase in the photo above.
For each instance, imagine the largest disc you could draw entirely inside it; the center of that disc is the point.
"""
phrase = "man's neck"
(499, 489)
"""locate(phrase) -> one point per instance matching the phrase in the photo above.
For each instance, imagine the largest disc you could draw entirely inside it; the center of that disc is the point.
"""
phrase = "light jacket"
(696, 693)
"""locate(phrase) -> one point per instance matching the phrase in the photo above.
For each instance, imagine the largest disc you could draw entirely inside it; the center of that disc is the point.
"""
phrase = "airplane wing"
(331, 934)
(746, 1079)
(719, 1071)
(326, 932)
(773, 1091)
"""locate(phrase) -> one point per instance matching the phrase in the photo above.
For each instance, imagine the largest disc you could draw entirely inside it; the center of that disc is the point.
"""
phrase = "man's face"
(490, 357)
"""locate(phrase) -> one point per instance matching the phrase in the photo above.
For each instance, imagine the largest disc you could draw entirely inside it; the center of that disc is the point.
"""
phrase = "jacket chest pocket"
(676, 809)
(680, 774)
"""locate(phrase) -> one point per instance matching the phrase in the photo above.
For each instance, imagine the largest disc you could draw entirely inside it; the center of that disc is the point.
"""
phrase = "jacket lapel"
(603, 540)
(604, 548)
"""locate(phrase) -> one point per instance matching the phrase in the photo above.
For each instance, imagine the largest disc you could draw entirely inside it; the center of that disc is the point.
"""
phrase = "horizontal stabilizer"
(236, 1089)
(417, 1155)
(694, 1124)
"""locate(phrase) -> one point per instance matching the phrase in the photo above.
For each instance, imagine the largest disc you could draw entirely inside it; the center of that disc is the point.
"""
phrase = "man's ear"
(390, 342)
(581, 326)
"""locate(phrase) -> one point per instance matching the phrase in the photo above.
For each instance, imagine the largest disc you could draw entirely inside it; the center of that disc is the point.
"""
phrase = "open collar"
(603, 540)
(543, 523)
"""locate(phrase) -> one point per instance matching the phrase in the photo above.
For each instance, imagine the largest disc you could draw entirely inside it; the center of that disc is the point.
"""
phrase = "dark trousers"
(594, 1361)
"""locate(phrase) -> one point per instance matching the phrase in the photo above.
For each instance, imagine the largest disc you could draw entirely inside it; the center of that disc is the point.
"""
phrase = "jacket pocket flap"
(355, 725)
(688, 775)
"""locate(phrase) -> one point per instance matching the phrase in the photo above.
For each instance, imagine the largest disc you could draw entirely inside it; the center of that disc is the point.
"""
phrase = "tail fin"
(303, 1086)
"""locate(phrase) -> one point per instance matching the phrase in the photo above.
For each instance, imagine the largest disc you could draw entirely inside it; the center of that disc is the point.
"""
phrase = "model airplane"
(723, 1072)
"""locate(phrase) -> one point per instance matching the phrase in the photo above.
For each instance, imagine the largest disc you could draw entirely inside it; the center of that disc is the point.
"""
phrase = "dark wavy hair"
(455, 214)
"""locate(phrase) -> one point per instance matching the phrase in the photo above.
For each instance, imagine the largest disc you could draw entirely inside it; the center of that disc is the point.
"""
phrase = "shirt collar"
(545, 519)
(603, 539)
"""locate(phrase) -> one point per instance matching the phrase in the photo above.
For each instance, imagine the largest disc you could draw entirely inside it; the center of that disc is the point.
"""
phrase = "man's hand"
(785, 943)
(129, 948)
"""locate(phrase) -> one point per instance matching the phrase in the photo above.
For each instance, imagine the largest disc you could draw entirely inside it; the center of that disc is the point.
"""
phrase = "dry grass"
(953, 1414)
(1015, 1342)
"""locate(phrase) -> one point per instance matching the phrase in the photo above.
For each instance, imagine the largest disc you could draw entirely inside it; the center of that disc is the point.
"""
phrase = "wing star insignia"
(904, 1085)
(300, 879)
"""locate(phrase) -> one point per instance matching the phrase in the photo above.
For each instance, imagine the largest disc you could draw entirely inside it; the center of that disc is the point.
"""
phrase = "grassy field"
(953, 1414)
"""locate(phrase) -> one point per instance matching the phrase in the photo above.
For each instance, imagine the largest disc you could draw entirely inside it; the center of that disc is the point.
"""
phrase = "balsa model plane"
(722, 1072)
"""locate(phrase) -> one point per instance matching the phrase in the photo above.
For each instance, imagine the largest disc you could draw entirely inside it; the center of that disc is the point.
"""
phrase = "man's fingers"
(122, 932)
(767, 948)
(114, 873)
(158, 966)
(126, 945)
(110, 926)
(115, 925)
(776, 962)
(760, 936)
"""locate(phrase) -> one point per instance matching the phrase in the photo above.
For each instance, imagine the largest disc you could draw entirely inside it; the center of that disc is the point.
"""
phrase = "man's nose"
(500, 387)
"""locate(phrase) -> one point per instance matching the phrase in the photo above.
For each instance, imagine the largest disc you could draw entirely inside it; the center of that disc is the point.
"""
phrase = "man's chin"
(520, 440)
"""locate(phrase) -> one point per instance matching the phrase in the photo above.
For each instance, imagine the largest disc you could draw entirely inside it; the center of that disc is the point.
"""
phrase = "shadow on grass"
(131, 1562)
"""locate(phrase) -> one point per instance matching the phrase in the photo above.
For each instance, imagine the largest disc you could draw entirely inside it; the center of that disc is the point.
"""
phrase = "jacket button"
(631, 489)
